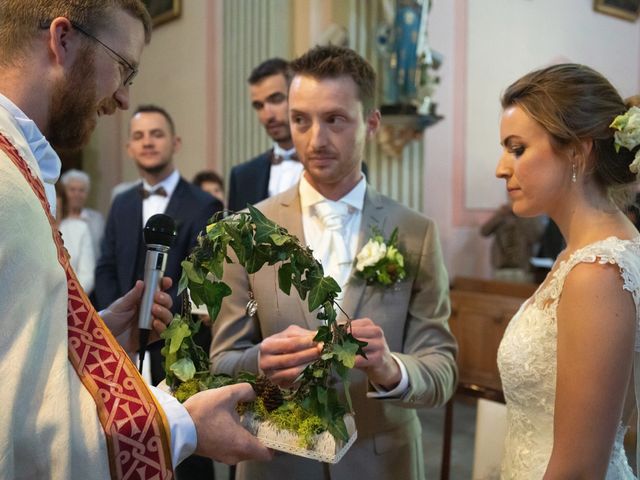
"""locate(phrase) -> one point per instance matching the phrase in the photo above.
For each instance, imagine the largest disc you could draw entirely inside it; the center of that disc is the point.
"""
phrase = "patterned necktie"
(334, 216)
(147, 193)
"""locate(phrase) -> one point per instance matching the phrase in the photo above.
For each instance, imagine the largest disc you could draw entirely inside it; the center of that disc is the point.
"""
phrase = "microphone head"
(160, 230)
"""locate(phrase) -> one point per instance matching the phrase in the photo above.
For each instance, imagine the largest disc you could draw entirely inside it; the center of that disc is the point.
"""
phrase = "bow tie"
(278, 159)
(147, 193)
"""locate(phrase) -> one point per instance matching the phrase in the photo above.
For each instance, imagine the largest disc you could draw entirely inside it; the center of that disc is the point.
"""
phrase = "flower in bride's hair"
(628, 134)
(635, 165)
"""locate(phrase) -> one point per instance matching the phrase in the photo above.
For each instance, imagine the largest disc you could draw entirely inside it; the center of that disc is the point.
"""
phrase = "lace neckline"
(607, 250)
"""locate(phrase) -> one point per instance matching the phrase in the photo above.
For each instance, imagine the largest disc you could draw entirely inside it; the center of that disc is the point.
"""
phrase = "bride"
(567, 355)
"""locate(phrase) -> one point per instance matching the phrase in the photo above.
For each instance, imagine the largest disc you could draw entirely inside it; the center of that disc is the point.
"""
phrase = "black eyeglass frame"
(132, 71)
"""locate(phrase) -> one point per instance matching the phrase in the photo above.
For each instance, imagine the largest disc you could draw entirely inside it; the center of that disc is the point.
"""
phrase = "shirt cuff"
(184, 437)
(396, 392)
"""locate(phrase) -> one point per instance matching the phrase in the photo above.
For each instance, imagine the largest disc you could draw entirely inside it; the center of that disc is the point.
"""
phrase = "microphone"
(159, 234)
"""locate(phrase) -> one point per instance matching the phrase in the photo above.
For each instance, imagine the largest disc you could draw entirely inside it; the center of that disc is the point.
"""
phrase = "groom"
(411, 352)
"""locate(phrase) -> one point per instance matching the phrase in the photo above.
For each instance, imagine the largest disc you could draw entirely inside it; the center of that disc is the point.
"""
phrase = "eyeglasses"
(129, 70)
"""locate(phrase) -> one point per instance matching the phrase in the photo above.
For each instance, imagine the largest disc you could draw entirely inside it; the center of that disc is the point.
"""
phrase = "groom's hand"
(284, 355)
(381, 368)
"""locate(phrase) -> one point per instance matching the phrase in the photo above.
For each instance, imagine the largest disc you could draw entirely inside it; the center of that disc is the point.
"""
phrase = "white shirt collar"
(309, 196)
(48, 160)
(170, 183)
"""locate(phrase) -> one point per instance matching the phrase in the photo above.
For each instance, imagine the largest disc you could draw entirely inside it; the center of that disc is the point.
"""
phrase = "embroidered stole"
(136, 430)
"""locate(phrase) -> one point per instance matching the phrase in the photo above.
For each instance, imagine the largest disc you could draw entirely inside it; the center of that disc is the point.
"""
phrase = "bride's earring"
(574, 176)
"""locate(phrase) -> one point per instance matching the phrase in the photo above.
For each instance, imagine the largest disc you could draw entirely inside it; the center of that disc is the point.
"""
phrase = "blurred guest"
(77, 185)
(278, 168)
(514, 240)
(210, 182)
(77, 240)
(152, 144)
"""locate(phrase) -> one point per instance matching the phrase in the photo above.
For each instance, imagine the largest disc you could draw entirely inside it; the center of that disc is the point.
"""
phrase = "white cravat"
(336, 257)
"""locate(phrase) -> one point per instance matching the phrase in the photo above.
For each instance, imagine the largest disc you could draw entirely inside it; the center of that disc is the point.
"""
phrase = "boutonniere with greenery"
(380, 262)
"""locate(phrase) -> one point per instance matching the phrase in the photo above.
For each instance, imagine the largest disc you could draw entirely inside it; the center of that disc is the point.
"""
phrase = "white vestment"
(48, 427)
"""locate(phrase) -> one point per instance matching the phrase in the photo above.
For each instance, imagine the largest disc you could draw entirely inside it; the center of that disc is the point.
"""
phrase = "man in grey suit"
(411, 352)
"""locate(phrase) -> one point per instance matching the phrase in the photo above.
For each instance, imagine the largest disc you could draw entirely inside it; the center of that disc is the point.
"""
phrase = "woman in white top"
(78, 242)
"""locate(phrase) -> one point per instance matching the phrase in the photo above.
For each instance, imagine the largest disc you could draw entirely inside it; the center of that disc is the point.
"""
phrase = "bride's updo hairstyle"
(574, 103)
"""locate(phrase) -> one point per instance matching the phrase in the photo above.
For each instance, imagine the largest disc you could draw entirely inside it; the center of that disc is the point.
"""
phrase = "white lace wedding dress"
(527, 362)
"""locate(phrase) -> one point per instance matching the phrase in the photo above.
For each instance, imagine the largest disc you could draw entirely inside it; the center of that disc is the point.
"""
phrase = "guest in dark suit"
(278, 168)
(152, 144)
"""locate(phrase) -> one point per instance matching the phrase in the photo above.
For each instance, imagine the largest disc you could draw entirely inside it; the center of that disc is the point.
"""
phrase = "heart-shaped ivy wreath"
(257, 241)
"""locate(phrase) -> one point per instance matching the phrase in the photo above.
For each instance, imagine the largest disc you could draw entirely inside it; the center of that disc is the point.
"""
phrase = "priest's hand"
(220, 435)
(381, 368)
(284, 355)
(122, 315)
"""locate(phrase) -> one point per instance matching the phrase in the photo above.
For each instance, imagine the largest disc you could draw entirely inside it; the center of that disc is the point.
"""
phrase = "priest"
(73, 404)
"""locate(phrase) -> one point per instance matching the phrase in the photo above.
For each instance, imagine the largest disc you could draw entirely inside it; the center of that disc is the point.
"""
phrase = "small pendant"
(252, 305)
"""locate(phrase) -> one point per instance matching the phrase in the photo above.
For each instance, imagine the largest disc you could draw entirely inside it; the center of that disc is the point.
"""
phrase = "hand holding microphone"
(159, 235)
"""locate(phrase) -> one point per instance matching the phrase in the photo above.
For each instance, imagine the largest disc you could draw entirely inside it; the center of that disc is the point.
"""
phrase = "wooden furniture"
(480, 312)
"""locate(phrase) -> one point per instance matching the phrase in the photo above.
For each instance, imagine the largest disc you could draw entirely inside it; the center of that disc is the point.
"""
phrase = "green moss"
(292, 417)
(187, 389)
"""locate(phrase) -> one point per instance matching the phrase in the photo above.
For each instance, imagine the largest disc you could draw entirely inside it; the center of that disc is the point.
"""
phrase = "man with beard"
(278, 168)
(152, 144)
(73, 405)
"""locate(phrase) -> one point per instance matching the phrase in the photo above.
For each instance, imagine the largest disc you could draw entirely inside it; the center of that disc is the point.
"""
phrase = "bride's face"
(537, 177)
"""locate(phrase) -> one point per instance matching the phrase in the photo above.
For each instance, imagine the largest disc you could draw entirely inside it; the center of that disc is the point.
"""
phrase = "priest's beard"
(74, 106)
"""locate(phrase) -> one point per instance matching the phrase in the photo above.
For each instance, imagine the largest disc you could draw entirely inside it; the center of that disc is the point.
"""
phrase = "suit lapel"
(290, 216)
(264, 174)
(173, 207)
(373, 215)
(133, 223)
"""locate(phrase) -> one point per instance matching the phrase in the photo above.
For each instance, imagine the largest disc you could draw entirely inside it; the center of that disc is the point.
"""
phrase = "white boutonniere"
(628, 134)
(380, 261)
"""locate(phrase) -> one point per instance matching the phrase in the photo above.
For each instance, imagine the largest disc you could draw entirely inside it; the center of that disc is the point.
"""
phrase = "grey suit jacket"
(412, 313)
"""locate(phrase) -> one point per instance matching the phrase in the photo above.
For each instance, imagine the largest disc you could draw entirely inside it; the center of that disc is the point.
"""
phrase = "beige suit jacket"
(412, 313)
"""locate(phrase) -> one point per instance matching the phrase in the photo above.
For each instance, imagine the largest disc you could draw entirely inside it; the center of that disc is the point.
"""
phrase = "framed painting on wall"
(162, 11)
(626, 9)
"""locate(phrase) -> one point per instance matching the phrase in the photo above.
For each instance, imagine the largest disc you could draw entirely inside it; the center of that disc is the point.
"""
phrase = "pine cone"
(269, 393)
(272, 397)
(260, 384)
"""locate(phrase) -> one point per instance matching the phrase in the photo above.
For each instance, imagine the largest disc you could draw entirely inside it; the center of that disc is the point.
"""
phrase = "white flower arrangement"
(628, 134)
(380, 261)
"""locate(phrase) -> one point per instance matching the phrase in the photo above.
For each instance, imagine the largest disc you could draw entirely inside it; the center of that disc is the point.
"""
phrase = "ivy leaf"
(241, 244)
(346, 353)
(264, 227)
(214, 293)
(255, 261)
(285, 272)
(183, 369)
(322, 290)
(278, 239)
(175, 334)
(350, 338)
(322, 395)
(323, 334)
(338, 429)
(184, 281)
(193, 273)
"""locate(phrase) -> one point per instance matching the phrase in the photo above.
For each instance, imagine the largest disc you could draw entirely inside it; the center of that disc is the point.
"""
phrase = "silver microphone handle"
(154, 267)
